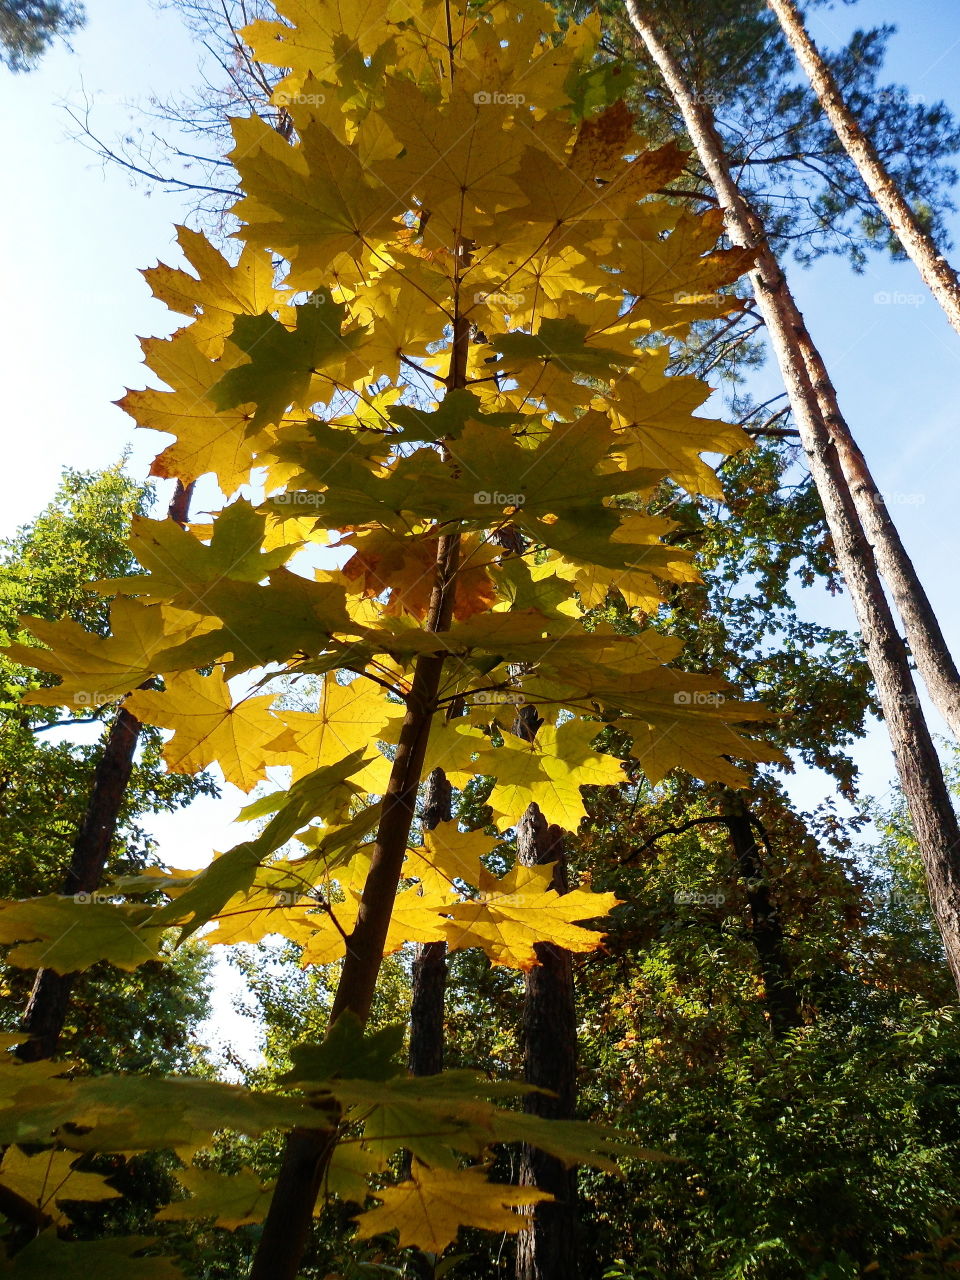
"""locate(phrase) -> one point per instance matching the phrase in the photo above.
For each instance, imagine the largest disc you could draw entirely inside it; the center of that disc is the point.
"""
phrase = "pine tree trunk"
(547, 1248)
(49, 1001)
(935, 270)
(926, 639)
(918, 767)
(927, 643)
(766, 929)
(924, 635)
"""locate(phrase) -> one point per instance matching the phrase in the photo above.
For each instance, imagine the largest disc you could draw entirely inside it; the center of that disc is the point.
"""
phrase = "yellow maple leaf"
(252, 915)
(404, 319)
(218, 293)
(511, 914)
(347, 716)
(242, 737)
(549, 771)
(208, 439)
(655, 414)
(458, 156)
(307, 45)
(448, 855)
(430, 1208)
(95, 669)
(416, 917)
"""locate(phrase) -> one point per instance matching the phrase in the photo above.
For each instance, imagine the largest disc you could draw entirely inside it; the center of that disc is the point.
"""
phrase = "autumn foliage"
(433, 389)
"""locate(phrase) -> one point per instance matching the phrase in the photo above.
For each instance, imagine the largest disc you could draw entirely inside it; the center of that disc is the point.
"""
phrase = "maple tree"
(418, 383)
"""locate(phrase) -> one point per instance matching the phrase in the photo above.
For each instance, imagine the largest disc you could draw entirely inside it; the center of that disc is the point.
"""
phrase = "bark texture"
(918, 767)
(547, 1249)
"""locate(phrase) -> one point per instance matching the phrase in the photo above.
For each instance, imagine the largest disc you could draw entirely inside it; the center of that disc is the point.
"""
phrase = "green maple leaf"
(562, 340)
(264, 623)
(231, 1199)
(282, 363)
(68, 934)
(559, 475)
(320, 794)
(447, 421)
(114, 1259)
(348, 1051)
(179, 564)
(144, 1113)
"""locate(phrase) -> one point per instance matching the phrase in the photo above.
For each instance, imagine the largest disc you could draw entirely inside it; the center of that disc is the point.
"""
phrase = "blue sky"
(76, 234)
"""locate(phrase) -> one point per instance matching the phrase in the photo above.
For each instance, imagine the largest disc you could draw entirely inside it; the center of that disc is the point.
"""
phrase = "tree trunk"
(766, 929)
(49, 1001)
(307, 1152)
(937, 273)
(429, 975)
(918, 767)
(927, 643)
(547, 1248)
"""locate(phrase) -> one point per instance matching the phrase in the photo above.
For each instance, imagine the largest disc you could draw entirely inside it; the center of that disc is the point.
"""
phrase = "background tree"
(917, 242)
(45, 773)
(29, 27)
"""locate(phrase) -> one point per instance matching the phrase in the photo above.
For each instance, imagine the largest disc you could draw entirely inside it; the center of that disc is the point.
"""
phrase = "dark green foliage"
(138, 1021)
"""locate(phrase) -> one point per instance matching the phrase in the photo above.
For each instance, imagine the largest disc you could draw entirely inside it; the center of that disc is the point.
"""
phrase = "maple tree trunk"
(766, 929)
(429, 971)
(429, 974)
(918, 766)
(937, 273)
(547, 1248)
(49, 1001)
(307, 1152)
